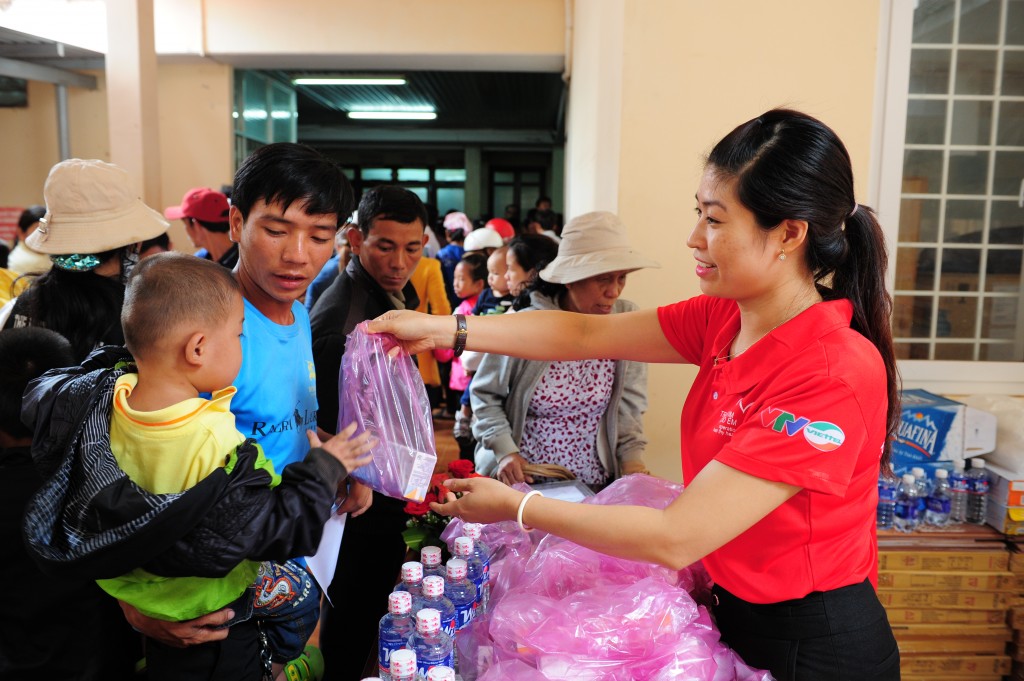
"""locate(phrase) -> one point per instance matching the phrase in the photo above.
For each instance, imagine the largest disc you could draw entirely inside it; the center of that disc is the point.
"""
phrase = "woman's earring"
(782, 254)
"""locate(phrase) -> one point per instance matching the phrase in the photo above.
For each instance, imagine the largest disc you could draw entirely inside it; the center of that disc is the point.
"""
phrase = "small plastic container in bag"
(384, 395)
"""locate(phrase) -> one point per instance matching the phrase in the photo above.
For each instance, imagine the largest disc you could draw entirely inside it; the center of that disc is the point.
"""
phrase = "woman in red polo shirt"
(787, 423)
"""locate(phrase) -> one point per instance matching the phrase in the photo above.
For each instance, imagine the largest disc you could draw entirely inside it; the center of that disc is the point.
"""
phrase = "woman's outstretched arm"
(539, 334)
(719, 505)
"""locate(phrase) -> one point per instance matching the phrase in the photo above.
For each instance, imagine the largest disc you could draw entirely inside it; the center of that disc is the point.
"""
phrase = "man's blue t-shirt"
(276, 400)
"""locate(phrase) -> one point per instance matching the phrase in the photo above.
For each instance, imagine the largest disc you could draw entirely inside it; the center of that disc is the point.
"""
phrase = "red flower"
(418, 509)
(462, 468)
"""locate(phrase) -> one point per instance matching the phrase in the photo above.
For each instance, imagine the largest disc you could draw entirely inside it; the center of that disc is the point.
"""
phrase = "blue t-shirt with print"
(276, 400)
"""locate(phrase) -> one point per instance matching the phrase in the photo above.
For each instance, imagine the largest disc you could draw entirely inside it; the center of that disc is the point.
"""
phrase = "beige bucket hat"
(92, 207)
(593, 244)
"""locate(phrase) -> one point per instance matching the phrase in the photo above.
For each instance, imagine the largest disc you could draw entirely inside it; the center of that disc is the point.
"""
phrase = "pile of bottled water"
(957, 496)
(431, 605)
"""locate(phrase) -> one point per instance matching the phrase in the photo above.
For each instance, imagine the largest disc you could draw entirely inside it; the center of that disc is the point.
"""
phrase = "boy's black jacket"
(89, 520)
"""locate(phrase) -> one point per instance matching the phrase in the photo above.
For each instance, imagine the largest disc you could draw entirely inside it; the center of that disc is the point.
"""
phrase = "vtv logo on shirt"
(821, 435)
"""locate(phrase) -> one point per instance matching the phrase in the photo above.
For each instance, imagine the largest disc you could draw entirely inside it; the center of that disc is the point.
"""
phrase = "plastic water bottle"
(412, 581)
(924, 487)
(432, 646)
(938, 504)
(433, 597)
(474, 531)
(958, 493)
(887, 489)
(475, 570)
(404, 666)
(441, 674)
(977, 492)
(906, 505)
(461, 592)
(430, 556)
(395, 629)
(924, 490)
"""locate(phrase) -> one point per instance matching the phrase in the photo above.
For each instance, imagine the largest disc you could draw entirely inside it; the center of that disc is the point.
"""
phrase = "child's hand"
(352, 452)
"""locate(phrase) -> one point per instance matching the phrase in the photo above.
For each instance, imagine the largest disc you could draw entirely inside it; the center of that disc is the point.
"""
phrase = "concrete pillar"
(594, 125)
(132, 94)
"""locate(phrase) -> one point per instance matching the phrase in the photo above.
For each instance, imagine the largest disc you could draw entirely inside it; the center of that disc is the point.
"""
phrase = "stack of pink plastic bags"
(561, 611)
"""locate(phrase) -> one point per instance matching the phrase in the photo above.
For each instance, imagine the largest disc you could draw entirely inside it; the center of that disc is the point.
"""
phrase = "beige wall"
(454, 34)
(29, 138)
(196, 134)
(691, 72)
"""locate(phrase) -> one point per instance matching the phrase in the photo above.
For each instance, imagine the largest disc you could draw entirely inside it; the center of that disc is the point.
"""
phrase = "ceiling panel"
(461, 99)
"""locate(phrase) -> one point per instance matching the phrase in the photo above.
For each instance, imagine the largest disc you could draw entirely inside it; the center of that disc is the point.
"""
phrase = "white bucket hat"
(593, 244)
(92, 207)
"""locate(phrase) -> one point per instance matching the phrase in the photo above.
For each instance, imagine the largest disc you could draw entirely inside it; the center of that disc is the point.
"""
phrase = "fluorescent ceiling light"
(349, 81)
(393, 115)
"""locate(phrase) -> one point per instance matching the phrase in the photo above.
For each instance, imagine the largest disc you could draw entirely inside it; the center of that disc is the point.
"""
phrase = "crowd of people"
(183, 450)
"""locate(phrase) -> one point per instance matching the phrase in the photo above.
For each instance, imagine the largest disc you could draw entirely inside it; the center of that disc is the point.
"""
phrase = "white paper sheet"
(323, 562)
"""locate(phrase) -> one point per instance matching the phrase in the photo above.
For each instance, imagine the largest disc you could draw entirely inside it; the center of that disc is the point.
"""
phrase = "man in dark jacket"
(386, 245)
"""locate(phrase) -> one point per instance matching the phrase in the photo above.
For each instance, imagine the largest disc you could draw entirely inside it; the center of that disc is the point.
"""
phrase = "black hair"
(788, 165)
(532, 252)
(27, 354)
(84, 307)
(161, 240)
(476, 263)
(545, 218)
(29, 217)
(219, 227)
(285, 172)
(390, 202)
(540, 200)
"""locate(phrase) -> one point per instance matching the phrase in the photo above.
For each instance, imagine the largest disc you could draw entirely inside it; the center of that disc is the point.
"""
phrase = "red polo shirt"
(805, 405)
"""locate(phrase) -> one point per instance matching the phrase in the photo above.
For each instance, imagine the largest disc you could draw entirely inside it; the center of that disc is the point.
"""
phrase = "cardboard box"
(934, 429)
(1006, 519)
(941, 666)
(984, 561)
(899, 616)
(952, 645)
(956, 677)
(950, 581)
(1005, 486)
(950, 600)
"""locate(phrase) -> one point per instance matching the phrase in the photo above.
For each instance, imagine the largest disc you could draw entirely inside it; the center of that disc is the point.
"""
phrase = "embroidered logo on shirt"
(821, 435)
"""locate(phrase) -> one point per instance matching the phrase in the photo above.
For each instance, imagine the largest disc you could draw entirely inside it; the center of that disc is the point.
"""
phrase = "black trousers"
(236, 658)
(837, 635)
(369, 565)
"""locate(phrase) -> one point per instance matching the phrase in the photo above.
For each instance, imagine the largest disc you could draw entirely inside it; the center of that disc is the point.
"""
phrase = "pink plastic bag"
(385, 396)
(561, 611)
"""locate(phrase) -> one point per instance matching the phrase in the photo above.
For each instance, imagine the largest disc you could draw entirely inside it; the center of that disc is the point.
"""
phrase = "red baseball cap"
(200, 203)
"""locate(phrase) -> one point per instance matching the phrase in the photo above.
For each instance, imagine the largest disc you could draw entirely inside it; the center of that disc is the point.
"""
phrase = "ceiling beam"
(312, 133)
(13, 68)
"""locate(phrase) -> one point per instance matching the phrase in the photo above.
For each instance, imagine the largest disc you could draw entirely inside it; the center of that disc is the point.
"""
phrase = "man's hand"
(356, 499)
(180, 634)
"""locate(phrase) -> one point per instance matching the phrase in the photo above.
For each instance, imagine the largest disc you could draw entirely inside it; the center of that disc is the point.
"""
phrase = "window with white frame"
(958, 243)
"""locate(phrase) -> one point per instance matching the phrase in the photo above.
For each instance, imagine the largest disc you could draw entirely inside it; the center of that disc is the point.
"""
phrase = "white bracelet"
(522, 505)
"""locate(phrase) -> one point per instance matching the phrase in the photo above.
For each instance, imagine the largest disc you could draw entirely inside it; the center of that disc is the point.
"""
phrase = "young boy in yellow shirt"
(182, 319)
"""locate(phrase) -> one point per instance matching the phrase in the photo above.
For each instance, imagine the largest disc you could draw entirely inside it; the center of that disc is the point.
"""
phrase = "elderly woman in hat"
(93, 225)
(581, 415)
